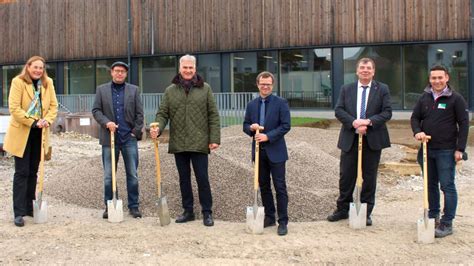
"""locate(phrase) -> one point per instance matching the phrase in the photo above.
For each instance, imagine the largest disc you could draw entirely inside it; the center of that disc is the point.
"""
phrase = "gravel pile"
(75, 174)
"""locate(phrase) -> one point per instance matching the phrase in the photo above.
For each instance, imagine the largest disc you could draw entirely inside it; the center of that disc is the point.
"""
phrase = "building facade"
(310, 45)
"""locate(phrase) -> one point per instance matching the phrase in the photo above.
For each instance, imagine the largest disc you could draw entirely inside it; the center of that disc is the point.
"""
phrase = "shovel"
(163, 211)
(425, 225)
(358, 210)
(40, 206)
(114, 206)
(256, 214)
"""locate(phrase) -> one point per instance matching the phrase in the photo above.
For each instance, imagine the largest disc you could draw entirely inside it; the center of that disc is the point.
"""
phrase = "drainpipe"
(129, 41)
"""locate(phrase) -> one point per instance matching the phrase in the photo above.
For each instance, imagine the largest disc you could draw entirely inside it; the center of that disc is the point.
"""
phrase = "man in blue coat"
(273, 113)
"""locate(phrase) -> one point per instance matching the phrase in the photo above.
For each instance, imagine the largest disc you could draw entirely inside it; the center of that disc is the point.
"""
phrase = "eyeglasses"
(265, 85)
(120, 71)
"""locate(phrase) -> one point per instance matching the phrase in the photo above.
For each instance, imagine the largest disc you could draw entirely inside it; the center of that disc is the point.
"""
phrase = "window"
(306, 78)
(209, 67)
(420, 58)
(388, 68)
(156, 73)
(79, 77)
(246, 67)
(102, 70)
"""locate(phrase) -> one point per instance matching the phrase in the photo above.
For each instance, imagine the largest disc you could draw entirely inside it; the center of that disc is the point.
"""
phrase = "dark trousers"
(348, 176)
(200, 167)
(277, 171)
(24, 179)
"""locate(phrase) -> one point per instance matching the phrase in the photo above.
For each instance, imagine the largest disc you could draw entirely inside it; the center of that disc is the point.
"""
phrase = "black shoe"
(267, 222)
(207, 219)
(282, 229)
(135, 212)
(369, 221)
(19, 221)
(185, 217)
(105, 215)
(338, 215)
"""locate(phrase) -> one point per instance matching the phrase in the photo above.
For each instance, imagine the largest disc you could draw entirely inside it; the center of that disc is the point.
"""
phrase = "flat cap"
(119, 63)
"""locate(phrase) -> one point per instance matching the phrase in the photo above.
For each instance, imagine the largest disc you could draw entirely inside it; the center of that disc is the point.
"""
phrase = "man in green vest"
(188, 104)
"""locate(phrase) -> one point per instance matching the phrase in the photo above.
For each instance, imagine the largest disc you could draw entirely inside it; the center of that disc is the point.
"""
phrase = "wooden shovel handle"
(360, 179)
(112, 161)
(41, 165)
(425, 171)
(257, 159)
(157, 160)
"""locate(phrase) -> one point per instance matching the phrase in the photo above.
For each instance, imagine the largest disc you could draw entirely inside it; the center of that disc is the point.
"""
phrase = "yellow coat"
(21, 95)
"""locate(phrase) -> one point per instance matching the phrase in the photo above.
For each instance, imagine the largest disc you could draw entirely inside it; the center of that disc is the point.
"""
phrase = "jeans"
(441, 170)
(200, 166)
(129, 151)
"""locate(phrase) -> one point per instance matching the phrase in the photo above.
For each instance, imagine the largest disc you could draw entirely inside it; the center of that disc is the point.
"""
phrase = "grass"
(295, 121)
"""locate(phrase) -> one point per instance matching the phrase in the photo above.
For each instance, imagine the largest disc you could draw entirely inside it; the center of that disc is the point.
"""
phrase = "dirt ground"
(75, 234)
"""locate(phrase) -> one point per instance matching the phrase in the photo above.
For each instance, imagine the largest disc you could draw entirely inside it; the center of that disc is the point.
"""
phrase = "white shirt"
(359, 96)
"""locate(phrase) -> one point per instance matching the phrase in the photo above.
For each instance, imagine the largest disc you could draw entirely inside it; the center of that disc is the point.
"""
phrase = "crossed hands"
(42, 123)
(361, 125)
(260, 137)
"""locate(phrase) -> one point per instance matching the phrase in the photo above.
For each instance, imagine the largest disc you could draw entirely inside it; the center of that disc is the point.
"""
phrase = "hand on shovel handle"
(154, 130)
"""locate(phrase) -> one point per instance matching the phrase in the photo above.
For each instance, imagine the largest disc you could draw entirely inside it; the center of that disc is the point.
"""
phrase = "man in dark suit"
(363, 108)
(118, 108)
(273, 113)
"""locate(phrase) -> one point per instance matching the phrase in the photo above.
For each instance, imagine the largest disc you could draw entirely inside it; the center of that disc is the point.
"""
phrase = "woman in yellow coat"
(33, 107)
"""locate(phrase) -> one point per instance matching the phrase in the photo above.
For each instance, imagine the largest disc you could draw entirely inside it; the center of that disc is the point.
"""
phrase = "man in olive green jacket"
(189, 105)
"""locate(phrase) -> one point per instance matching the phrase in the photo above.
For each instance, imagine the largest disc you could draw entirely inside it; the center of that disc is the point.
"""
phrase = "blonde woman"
(33, 107)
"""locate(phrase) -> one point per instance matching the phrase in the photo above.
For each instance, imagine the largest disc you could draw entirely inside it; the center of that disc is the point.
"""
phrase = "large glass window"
(102, 70)
(209, 67)
(9, 72)
(79, 77)
(388, 68)
(156, 73)
(305, 77)
(420, 58)
(246, 67)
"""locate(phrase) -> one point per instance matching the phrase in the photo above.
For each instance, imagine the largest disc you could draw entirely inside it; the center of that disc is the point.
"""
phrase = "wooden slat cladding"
(77, 29)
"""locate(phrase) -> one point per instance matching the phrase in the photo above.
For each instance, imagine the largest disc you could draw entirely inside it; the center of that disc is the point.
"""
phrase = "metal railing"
(231, 105)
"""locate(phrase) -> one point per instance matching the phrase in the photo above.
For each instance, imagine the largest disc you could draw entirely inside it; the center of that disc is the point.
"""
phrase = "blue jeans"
(129, 152)
(441, 170)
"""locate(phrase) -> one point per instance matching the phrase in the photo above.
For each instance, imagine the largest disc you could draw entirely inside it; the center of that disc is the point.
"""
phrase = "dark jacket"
(277, 124)
(194, 118)
(446, 120)
(103, 110)
(379, 111)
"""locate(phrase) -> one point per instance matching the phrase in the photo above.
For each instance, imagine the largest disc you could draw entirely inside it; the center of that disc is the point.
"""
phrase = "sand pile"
(75, 174)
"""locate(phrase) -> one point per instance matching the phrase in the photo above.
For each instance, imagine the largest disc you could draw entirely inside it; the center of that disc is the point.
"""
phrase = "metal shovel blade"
(115, 211)
(426, 230)
(255, 219)
(163, 211)
(357, 219)
(40, 211)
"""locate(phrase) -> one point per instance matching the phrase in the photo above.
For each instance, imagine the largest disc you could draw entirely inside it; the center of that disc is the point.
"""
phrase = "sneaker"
(338, 215)
(135, 213)
(443, 230)
(267, 222)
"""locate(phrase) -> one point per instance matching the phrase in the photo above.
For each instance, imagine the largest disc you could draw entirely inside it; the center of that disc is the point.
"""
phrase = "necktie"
(362, 102)
(262, 112)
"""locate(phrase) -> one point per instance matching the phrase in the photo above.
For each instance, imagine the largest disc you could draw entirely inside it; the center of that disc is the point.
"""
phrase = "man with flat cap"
(118, 108)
